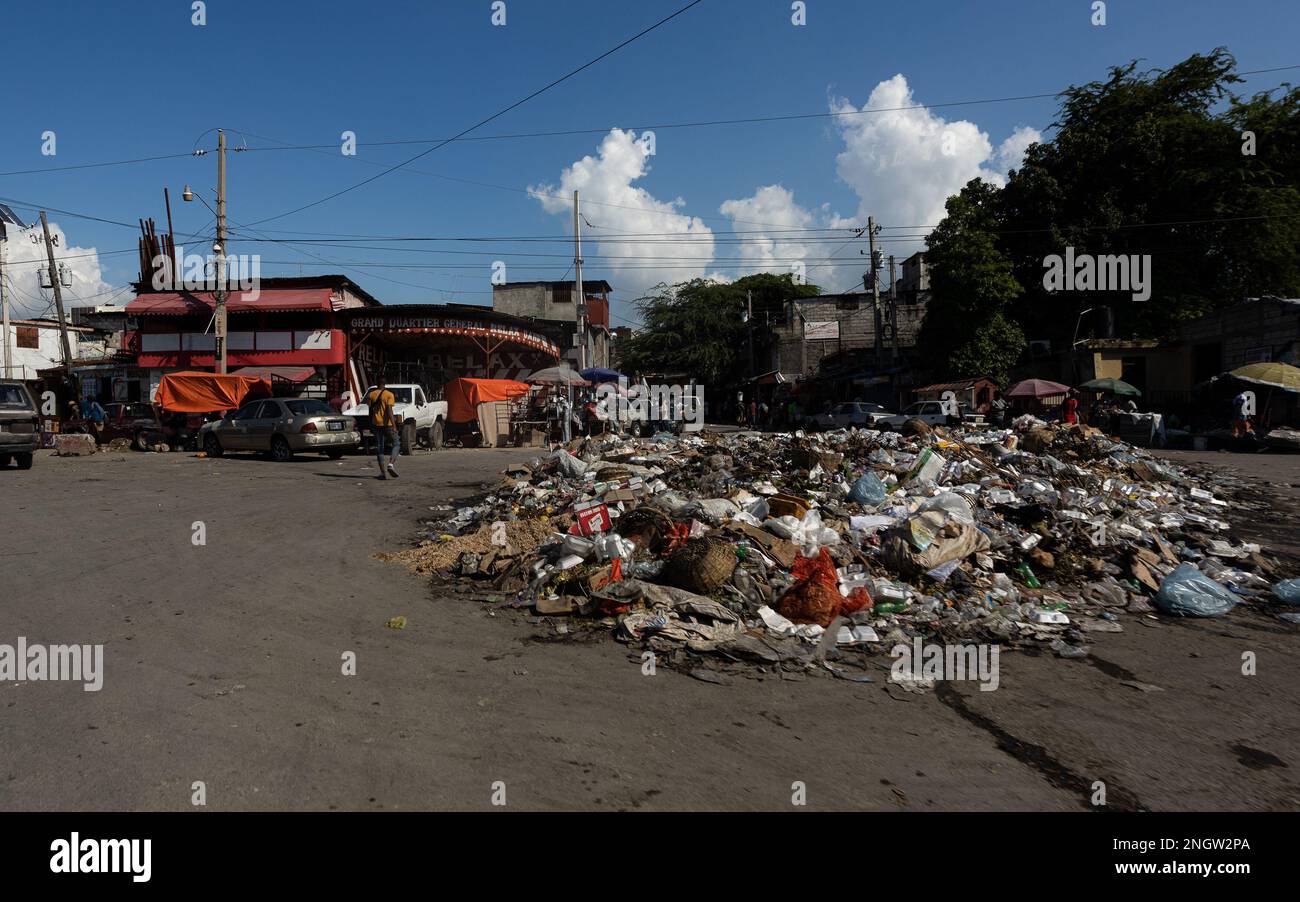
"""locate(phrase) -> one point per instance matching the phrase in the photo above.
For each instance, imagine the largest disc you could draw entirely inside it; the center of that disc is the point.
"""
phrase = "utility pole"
(58, 297)
(582, 296)
(4, 302)
(219, 249)
(875, 283)
(893, 311)
(749, 319)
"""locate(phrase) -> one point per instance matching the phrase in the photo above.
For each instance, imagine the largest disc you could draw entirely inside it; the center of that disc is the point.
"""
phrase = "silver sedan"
(281, 427)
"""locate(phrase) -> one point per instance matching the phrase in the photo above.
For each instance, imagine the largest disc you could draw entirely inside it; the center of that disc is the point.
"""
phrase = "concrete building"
(830, 331)
(557, 303)
(35, 346)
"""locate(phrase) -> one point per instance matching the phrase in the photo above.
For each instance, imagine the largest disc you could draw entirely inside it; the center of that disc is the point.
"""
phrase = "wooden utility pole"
(893, 311)
(875, 284)
(219, 249)
(582, 296)
(749, 320)
(58, 297)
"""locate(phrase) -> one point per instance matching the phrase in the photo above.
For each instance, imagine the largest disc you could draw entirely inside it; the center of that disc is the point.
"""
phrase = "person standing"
(382, 422)
(1241, 425)
(1071, 408)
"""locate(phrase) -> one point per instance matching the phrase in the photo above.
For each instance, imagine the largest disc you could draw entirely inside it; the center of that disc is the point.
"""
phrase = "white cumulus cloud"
(905, 163)
(615, 206)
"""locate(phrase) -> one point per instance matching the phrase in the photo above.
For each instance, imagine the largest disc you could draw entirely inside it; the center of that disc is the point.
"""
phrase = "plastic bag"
(867, 491)
(1288, 591)
(952, 504)
(1187, 592)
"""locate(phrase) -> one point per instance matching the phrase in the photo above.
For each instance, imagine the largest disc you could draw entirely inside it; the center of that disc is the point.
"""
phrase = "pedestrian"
(740, 408)
(764, 415)
(753, 413)
(382, 422)
(1241, 424)
(1071, 408)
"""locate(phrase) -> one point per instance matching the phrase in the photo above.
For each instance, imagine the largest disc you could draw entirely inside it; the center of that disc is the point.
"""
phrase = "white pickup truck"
(415, 415)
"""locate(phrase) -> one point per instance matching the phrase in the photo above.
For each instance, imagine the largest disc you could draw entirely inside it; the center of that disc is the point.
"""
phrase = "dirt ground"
(223, 665)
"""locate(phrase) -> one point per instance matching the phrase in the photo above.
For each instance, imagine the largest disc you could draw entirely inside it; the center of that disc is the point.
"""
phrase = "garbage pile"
(795, 551)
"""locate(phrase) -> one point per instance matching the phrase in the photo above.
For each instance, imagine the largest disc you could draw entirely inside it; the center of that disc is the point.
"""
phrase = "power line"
(495, 115)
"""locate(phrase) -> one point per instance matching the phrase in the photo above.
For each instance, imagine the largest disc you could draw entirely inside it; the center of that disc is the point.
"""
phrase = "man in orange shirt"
(382, 422)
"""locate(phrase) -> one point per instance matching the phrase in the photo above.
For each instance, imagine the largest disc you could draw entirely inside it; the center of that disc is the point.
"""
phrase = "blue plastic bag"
(868, 490)
(1187, 592)
(1288, 591)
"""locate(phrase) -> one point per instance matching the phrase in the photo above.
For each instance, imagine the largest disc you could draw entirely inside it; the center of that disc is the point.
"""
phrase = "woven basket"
(701, 566)
(648, 527)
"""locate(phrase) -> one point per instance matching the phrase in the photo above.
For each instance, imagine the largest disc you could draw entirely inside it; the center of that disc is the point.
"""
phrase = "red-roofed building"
(289, 323)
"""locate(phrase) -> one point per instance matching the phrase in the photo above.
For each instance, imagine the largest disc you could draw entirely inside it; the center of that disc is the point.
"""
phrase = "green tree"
(697, 328)
(966, 331)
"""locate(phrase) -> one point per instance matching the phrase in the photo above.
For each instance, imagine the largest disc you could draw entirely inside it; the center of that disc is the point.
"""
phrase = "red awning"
(286, 373)
(273, 300)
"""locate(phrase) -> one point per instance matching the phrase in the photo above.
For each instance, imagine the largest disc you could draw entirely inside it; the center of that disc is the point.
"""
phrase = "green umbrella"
(1113, 386)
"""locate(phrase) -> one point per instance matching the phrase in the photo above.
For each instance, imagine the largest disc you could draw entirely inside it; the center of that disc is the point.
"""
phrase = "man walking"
(380, 401)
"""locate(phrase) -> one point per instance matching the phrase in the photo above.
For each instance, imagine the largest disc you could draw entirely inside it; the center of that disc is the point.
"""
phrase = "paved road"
(223, 665)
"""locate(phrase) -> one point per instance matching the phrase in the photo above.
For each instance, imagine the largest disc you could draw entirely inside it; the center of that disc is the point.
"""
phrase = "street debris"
(793, 553)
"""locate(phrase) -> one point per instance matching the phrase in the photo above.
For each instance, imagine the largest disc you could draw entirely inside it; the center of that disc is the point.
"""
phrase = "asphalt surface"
(223, 664)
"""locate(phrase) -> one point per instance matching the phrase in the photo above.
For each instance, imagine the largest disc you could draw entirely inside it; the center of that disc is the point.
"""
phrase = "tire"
(436, 434)
(212, 446)
(24, 460)
(334, 453)
(408, 439)
(5, 460)
(280, 450)
(139, 442)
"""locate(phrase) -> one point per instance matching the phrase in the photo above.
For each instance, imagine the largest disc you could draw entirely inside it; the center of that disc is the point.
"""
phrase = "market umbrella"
(556, 375)
(1274, 375)
(1036, 388)
(1112, 386)
(600, 374)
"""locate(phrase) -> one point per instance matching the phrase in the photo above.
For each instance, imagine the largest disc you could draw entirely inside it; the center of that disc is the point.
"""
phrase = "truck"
(418, 418)
(20, 425)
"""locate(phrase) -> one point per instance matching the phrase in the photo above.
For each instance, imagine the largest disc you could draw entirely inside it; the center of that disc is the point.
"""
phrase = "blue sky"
(135, 79)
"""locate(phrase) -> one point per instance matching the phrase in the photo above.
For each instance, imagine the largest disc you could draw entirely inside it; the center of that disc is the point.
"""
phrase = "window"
(13, 396)
(270, 411)
(308, 408)
(419, 397)
(1258, 355)
(248, 411)
(28, 337)
(562, 294)
(138, 410)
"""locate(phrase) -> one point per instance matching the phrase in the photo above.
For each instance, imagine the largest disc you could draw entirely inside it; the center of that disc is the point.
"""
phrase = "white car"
(414, 412)
(932, 413)
(862, 414)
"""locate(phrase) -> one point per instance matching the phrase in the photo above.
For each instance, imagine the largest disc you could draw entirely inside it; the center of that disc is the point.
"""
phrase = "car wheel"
(212, 446)
(140, 442)
(280, 450)
(4, 460)
(435, 434)
(334, 453)
(24, 460)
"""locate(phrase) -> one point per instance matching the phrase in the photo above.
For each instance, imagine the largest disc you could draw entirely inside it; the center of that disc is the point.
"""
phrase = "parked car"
(134, 420)
(932, 413)
(417, 417)
(281, 427)
(851, 413)
(20, 425)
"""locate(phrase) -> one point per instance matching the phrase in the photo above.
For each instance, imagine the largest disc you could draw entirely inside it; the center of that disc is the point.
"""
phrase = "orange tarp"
(197, 392)
(465, 395)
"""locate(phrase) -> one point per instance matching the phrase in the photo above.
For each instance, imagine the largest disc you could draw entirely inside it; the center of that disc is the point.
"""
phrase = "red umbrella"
(1036, 388)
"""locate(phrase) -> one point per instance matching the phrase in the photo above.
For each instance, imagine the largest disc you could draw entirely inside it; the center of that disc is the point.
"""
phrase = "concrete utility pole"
(4, 303)
(219, 249)
(582, 297)
(58, 297)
